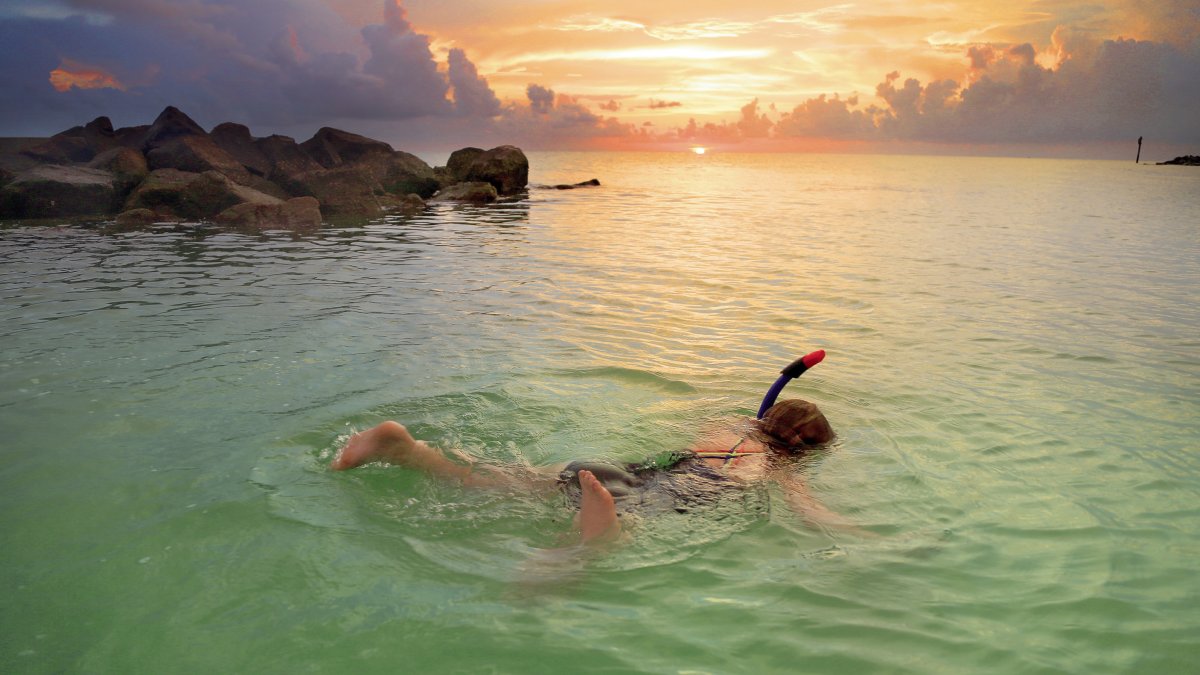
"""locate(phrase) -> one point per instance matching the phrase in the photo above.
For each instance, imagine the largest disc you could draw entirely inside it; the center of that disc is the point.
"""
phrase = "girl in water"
(678, 480)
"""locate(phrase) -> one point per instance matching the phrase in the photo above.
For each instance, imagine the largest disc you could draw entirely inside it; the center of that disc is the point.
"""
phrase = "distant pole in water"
(1139, 155)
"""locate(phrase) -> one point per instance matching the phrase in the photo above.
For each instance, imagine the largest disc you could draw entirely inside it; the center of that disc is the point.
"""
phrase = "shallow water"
(1013, 370)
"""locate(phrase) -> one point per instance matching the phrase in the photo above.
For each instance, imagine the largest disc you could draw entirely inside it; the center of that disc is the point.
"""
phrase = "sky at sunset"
(1016, 76)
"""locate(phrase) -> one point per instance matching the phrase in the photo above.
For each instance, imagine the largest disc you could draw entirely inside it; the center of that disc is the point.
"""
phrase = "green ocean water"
(1013, 369)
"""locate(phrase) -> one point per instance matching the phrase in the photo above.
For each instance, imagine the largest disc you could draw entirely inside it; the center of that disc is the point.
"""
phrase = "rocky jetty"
(1186, 160)
(174, 170)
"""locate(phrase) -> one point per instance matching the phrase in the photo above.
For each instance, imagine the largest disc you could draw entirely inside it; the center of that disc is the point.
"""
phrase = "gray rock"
(476, 192)
(77, 144)
(460, 161)
(571, 186)
(287, 163)
(235, 139)
(170, 124)
(332, 148)
(374, 184)
(53, 191)
(412, 203)
(196, 154)
(505, 167)
(300, 213)
(189, 195)
(61, 150)
(403, 173)
(345, 190)
(136, 218)
(11, 159)
(123, 161)
(132, 137)
(128, 167)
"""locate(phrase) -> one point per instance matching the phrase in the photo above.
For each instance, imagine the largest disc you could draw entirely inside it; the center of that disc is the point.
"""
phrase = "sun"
(699, 150)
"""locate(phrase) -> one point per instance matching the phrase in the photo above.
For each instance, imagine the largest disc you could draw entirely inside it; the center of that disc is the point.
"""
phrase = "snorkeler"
(677, 480)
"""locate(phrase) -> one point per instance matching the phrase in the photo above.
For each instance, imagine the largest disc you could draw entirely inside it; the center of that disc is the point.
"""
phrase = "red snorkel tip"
(794, 369)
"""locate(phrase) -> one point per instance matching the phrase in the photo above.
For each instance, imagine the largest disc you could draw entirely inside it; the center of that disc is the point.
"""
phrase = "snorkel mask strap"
(795, 369)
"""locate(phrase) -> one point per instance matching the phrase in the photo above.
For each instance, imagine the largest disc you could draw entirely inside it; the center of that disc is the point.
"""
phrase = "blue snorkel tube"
(795, 369)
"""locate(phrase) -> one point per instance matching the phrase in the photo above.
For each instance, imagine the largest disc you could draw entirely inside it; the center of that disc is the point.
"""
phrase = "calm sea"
(1013, 368)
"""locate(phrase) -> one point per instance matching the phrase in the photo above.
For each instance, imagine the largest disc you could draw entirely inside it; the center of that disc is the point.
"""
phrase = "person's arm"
(809, 509)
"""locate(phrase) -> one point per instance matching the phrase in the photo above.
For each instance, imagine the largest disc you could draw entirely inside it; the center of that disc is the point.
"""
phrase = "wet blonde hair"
(796, 423)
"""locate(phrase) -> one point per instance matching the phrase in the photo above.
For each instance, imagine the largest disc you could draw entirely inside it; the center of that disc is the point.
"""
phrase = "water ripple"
(1013, 382)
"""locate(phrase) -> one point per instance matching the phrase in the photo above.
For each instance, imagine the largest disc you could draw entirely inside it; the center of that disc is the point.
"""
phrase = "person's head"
(796, 423)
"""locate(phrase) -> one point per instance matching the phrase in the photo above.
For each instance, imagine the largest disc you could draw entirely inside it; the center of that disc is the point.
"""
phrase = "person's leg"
(391, 442)
(598, 522)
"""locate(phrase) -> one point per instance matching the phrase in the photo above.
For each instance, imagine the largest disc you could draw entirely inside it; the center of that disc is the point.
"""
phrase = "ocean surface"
(1013, 369)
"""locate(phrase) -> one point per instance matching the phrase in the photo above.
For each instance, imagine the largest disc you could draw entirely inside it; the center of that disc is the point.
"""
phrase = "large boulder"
(505, 167)
(411, 204)
(299, 213)
(287, 162)
(345, 190)
(333, 148)
(175, 141)
(135, 218)
(235, 139)
(402, 173)
(479, 193)
(365, 190)
(54, 191)
(128, 167)
(371, 165)
(460, 161)
(171, 123)
(371, 179)
(11, 159)
(196, 154)
(77, 144)
(190, 195)
(61, 150)
(131, 137)
(121, 160)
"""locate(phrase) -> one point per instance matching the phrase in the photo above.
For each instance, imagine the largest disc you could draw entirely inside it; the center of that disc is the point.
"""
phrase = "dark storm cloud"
(472, 95)
(268, 63)
(541, 99)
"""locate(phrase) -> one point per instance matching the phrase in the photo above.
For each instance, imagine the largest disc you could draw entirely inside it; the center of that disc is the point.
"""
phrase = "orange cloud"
(82, 76)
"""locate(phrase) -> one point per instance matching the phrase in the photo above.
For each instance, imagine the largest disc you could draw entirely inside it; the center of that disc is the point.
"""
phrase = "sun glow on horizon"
(774, 75)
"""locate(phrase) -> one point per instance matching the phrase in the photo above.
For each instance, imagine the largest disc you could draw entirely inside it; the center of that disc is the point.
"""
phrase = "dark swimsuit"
(677, 480)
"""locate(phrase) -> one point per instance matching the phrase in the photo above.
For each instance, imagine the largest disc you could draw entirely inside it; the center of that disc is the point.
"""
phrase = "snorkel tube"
(795, 369)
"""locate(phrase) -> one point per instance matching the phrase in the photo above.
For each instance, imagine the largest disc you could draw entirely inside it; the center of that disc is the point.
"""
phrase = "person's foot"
(598, 520)
(388, 442)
